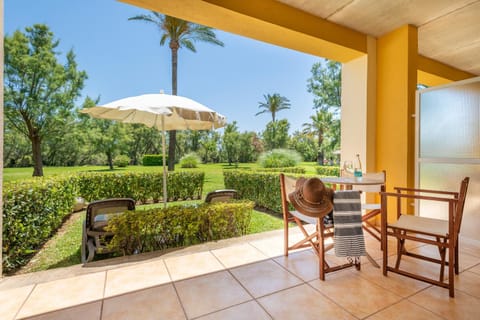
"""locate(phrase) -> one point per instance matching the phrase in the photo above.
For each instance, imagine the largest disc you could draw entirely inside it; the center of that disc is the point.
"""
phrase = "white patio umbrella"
(162, 111)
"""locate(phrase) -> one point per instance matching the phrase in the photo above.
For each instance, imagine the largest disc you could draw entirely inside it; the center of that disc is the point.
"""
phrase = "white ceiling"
(448, 30)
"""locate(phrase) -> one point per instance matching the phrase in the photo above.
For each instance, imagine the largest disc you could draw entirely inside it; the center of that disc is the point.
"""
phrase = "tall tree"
(39, 91)
(321, 123)
(180, 34)
(106, 136)
(273, 104)
(276, 134)
(231, 142)
(326, 85)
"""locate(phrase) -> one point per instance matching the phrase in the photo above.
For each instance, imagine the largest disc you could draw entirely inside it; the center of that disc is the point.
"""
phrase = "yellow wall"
(396, 85)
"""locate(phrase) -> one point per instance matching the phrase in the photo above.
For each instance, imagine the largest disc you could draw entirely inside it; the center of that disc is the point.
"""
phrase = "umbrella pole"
(164, 167)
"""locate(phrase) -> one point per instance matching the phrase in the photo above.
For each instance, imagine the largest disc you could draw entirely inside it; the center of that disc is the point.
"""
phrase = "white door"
(448, 148)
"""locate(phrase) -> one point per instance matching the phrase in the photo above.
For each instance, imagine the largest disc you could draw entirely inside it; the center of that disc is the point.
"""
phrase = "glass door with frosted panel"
(448, 147)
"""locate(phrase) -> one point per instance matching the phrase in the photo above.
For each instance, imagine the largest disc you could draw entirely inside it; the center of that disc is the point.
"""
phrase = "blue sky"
(123, 58)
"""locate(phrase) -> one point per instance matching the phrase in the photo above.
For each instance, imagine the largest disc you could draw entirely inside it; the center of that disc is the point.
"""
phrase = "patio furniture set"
(340, 215)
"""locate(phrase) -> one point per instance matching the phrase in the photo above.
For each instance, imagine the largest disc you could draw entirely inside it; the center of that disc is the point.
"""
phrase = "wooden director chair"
(316, 239)
(440, 233)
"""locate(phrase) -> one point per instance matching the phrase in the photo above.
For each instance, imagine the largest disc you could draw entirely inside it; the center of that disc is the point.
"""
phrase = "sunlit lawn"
(64, 248)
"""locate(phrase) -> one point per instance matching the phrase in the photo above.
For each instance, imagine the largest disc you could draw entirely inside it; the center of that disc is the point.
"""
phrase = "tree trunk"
(37, 155)
(110, 160)
(172, 138)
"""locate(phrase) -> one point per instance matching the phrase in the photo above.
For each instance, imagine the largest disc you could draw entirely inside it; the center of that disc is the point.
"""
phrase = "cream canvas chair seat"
(437, 232)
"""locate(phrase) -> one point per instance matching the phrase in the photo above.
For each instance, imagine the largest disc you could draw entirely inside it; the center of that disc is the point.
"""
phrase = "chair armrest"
(420, 197)
(401, 189)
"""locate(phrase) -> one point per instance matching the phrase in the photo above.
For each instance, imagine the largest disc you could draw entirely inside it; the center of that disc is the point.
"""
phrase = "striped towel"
(347, 218)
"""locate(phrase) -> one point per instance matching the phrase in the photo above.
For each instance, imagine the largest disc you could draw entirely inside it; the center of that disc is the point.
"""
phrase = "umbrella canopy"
(180, 113)
(162, 111)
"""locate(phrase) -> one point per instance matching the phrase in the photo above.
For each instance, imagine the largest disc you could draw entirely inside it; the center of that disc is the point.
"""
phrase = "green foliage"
(275, 134)
(153, 160)
(32, 211)
(121, 161)
(263, 188)
(273, 104)
(326, 85)
(279, 158)
(159, 229)
(231, 142)
(39, 90)
(190, 160)
(142, 186)
(285, 170)
(305, 145)
(329, 171)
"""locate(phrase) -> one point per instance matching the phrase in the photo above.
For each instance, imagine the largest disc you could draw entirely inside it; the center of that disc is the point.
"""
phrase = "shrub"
(285, 170)
(159, 228)
(153, 160)
(279, 158)
(121, 161)
(329, 171)
(190, 160)
(32, 211)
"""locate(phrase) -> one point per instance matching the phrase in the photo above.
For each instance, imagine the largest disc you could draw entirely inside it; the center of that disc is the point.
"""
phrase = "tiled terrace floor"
(244, 278)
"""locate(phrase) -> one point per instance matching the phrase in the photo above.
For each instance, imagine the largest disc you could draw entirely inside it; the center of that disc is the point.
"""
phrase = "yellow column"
(397, 54)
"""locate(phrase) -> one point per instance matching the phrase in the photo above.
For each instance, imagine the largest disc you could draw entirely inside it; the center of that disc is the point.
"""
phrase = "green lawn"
(64, 248)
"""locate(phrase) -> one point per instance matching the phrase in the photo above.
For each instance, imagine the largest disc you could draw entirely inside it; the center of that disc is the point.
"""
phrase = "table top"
(352, 180)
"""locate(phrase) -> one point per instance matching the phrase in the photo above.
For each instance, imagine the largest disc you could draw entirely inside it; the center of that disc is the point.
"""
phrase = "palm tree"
(180, 34)
(273, 103)
(321, 123)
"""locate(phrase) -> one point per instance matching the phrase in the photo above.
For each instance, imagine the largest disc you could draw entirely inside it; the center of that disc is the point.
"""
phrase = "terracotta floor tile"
(475, 269)
(468, 282)
(437, 300)
(302, 302)
(264, 278)
(209, 293)
(90, 311)
(398, 284)
(271, 247)
(140, 276)
(64, 293)
(404, 310)
(155, 303)
(12, 300)
(239, 255)
(192, 265)
(304, 264)
(354, 293)
(469, 246)
(246, 311)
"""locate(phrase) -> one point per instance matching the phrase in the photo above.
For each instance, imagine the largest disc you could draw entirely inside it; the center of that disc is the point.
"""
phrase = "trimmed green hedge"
(299, 170)
(153, 160)
(329, 171)
(142, 187)
(261, 187)
(34, 209)
(159, 228)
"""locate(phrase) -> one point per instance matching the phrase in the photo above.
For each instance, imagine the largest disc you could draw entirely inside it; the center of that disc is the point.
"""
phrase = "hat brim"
(317, 210)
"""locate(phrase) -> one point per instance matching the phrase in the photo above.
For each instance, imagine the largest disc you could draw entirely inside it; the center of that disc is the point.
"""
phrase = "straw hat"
(311, 197)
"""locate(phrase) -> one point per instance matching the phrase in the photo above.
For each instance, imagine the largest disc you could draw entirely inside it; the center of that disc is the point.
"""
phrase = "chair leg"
(400, 249)
(451, 280)
(442, 252)
(456, 258)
